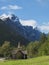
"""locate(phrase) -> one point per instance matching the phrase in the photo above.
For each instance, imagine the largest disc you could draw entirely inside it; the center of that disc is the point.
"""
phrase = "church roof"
(15, 51)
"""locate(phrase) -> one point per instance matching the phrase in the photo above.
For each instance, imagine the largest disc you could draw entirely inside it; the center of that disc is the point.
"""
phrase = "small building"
(19, 53)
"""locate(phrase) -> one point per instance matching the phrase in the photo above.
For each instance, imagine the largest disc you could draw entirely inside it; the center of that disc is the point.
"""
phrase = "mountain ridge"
(10, 25)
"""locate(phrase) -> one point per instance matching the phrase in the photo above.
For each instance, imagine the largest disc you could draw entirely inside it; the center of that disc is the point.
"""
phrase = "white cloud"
(32, 23)
(11, 7)
(44, 28)
(14, 7)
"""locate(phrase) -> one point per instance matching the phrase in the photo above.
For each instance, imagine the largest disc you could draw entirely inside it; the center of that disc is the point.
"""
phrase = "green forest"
(34, 49)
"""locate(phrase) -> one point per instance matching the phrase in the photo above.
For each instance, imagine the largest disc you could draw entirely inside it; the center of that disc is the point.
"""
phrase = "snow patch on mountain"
(10, 16)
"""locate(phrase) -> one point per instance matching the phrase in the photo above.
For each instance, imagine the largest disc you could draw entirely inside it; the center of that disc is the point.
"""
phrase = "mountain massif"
(12, 30)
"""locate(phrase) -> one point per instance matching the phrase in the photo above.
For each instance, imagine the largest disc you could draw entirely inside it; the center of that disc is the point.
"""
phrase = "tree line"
(34, 49)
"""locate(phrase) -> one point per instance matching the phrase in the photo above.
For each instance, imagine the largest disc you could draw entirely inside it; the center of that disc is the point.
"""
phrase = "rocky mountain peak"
(10, 16)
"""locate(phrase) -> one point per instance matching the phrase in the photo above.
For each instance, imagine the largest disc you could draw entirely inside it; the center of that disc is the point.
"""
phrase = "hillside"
(44, 60)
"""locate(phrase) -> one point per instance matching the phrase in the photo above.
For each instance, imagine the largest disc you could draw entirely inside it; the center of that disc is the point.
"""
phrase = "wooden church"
(19, 53)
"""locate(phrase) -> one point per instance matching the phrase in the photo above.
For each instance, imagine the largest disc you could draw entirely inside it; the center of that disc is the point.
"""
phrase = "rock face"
(12, 30)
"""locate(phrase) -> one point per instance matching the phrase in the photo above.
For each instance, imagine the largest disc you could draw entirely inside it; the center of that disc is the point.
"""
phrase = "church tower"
(19, 47)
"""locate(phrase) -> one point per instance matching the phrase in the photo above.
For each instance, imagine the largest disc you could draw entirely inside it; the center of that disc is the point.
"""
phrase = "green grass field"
(44, 60)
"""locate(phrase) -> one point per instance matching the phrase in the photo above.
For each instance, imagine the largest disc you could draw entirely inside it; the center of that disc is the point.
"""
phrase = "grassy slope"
(44, 60)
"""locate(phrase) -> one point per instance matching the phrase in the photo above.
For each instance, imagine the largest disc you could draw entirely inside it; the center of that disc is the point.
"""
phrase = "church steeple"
(19, 45)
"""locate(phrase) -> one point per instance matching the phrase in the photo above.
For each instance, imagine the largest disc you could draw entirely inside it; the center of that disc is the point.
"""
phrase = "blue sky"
(30, 12)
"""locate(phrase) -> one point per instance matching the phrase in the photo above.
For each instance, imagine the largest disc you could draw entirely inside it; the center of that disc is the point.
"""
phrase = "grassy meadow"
(44, 60)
